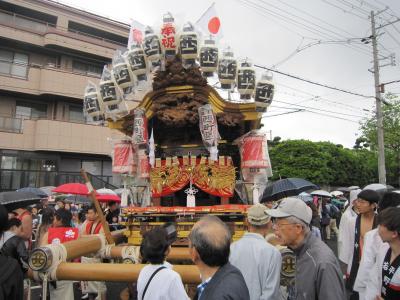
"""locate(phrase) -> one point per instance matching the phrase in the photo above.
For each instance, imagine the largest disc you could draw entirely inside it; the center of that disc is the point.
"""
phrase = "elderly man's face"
(286, 232)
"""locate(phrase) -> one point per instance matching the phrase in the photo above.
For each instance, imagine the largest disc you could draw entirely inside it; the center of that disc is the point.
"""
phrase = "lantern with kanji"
(208, 58)
(108, 90)
(137, 61)
(122, 73)
(265, 89)
(151, 45)
(255, 163)
(91, 102)
(246, 80)
(227, 69)
(168, 31)
(140, 134)
(188, 43)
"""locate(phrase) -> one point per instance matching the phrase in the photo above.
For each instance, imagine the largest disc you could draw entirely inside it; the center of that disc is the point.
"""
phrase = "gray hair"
(211, 238)
(295, 220)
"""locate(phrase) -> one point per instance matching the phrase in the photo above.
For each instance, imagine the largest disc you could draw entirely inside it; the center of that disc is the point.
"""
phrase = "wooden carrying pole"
(92, 193)
(86, 245)
(118, 272)
(176, 253)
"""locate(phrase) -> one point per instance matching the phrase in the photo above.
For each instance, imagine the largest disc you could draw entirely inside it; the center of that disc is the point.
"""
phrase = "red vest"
(90, 230)
(60, 235)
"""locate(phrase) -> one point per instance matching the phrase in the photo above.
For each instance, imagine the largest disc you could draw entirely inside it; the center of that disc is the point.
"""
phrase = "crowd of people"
(24, 229)
(365, 222)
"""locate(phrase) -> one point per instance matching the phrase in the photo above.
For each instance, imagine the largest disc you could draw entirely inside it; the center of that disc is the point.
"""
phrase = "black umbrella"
(38, 192)
(14, 200)
(286, 188)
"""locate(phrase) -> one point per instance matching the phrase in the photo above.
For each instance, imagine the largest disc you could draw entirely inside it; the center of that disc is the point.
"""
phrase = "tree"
(323, 163)
(391, 128)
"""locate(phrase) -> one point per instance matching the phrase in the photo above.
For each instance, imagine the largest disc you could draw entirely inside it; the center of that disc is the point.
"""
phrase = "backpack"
(334, 212)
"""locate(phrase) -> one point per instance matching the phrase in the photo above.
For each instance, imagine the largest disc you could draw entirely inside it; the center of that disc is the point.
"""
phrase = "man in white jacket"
(385, 278)
(372, 245)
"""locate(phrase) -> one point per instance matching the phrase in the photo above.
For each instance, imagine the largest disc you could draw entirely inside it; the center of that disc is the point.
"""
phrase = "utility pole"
(379, 117)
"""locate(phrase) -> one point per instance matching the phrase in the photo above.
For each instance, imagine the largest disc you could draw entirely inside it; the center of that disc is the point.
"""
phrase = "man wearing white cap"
(259, 262)
(318, 274)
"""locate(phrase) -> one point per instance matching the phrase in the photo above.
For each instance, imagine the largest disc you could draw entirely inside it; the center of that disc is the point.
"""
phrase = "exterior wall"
(7, 107)
(50, 135)
(50, 79)
(47, 80)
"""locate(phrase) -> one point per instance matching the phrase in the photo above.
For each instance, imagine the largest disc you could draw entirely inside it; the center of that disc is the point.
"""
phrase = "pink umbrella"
(72, 188)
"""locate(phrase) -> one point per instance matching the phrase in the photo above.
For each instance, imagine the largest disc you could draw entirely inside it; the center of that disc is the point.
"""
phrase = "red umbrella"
(108, 198)
(72, 188)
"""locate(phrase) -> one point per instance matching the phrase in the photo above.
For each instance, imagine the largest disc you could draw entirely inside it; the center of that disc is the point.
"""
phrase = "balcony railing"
(19, 21)
(9, 124)
(14, 179)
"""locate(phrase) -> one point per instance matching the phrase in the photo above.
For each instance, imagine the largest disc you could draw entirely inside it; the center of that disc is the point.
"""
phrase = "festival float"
(189, 115)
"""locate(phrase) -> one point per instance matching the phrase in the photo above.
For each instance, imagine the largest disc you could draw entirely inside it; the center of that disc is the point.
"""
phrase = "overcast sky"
(268, 31)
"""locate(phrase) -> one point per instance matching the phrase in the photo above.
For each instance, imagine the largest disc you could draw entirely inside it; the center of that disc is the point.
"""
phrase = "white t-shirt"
(346, 237)
(165, 285)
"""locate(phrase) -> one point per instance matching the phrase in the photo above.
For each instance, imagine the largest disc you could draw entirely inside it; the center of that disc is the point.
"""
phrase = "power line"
(312, 112)
(354, 7)
(313, 82)
(318, 109)
(313, 28)
(312, 23)
(343, 10)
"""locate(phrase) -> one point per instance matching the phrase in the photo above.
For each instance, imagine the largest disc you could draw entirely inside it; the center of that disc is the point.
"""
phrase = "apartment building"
(48, 53)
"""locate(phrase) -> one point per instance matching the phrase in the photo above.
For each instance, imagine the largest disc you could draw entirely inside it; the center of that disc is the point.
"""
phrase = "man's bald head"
(211, 238)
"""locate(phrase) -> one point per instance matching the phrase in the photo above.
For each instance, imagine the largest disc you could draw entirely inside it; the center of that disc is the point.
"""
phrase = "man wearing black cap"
(366, 205)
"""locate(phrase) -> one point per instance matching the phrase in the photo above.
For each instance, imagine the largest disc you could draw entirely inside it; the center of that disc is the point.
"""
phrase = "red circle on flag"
(213, 25)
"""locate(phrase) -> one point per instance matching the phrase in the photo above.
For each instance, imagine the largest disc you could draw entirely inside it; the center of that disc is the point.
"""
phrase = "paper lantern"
(151, 45)
(227, 69)
(188, 43)
(168, 31)
(108, 90)
(140, 134)
(254, 156)
(122, 75)
(123, 158)
(246, 80)
(265, 89)
(91, 101)
(208, 58)
(137, 61)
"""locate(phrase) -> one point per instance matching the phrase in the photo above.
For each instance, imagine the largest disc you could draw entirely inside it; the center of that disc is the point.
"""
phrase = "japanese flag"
(136, 33)
(210, 24)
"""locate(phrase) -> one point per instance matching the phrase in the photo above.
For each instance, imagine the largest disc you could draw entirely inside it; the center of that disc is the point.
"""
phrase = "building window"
(81, 67)
(76, 114)
(31, 110)
(13, 63)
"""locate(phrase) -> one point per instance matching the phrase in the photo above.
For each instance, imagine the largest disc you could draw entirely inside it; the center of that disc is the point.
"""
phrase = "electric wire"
(312, 82)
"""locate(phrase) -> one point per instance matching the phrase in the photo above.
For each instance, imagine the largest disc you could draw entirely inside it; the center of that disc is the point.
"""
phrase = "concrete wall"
(50, 135)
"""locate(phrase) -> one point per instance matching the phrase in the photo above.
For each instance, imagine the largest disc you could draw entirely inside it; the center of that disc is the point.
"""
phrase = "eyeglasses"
(274, 224)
